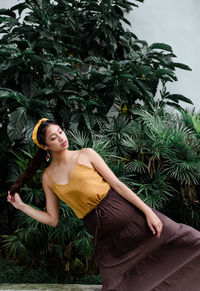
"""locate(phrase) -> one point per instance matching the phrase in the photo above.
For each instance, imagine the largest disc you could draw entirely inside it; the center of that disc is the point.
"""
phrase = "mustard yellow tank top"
(85, 189)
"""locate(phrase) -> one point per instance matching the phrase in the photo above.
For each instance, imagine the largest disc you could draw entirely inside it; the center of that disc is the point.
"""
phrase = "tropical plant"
(66, 60)
(156, 155)
(13, 272)
(162, 154)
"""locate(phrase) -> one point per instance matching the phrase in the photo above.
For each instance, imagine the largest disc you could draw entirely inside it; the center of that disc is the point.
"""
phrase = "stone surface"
(50, 287)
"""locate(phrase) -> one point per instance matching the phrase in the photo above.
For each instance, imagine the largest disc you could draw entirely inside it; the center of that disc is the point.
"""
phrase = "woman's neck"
(61, 157)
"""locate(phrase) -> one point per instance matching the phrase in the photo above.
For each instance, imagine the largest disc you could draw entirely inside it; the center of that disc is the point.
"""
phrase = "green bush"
(13, 273)
(157, 155)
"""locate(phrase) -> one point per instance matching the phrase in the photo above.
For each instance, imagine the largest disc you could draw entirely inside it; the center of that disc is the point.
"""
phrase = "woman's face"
(55, 138)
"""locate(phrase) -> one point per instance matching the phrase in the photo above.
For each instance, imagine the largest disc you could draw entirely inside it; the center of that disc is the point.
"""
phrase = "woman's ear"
(44, 147)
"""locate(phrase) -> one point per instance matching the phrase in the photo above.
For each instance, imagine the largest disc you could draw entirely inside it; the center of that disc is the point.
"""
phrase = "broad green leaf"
(143, 42)
(7, 12)
(10, 94)
(134, 88)
(31, 87)
(161, 46)
(20, 7)
(126, 76)
(179, 97)
(161, 72)
(182, 66)
(28, 52)
(126, 21)
(144, 70)
(17, 123)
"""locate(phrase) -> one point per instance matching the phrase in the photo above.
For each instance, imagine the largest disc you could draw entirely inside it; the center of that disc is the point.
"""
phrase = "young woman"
(137, 248)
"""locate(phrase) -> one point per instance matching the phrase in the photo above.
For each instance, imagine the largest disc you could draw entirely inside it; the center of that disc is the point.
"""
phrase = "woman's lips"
(64, 143)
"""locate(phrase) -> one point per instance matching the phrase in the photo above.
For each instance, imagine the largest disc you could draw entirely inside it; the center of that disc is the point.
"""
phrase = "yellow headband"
(35, 130)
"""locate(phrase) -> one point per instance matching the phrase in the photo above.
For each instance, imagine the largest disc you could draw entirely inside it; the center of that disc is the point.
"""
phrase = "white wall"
(175, 22)
(8, 3)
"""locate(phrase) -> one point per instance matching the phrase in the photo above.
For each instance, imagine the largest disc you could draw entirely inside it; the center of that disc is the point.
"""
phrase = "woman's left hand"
(154, 223)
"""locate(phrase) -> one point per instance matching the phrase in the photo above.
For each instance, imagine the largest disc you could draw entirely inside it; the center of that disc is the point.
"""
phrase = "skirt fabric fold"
(131, 258)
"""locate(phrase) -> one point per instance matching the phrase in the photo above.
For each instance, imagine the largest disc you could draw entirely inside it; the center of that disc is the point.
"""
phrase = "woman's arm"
(153, 221)
(50, 216)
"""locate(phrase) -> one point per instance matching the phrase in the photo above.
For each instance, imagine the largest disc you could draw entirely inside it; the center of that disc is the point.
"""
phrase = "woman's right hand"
(15, 200)
(50, 216)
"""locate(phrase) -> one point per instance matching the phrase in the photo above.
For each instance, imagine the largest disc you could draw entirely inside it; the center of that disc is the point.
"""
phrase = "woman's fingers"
(158, 229)
(155, 224)
(10, 198)
(15, 200)
(152, 228)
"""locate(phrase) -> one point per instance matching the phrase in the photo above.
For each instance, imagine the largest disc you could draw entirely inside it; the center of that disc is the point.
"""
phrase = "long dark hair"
(36, 161)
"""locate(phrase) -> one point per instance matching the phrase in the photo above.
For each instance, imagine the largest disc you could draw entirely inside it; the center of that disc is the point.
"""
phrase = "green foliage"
(73, 61)
(14, 272)
(156, 155)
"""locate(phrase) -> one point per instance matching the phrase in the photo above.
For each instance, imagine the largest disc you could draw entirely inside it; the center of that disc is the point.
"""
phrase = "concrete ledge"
(50, 287)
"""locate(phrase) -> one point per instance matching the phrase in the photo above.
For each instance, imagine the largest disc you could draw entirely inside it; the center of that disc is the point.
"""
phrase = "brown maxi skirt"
(131, 258)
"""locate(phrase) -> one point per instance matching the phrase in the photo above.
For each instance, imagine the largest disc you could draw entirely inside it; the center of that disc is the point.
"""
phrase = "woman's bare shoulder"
(48, 169)
(46, 173)
(88, 151)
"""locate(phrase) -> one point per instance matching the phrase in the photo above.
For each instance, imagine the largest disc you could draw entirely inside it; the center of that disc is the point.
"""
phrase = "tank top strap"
(49, 176)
